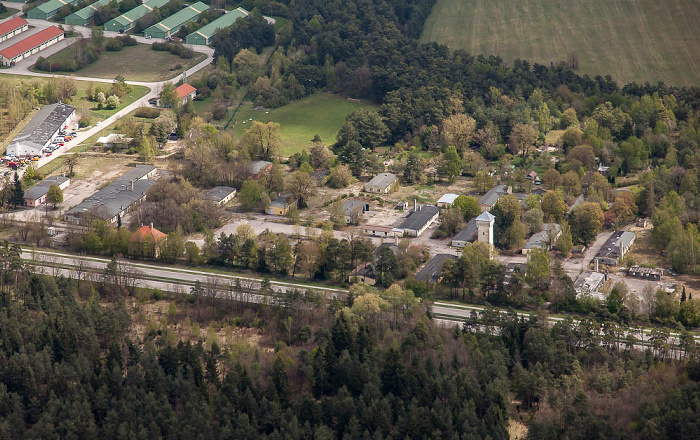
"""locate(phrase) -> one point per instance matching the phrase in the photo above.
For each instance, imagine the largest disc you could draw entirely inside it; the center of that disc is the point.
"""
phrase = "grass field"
(9, 12)
(322, 114)
(632, 40)
(141, 63)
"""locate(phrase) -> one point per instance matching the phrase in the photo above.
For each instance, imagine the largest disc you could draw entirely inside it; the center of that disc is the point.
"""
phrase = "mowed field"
(322, 114)
(632, 40)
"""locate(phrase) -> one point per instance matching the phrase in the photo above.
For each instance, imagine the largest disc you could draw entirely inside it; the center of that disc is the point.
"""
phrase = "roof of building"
(430, 273)
(349, 205)
(485, 217)
(417, 219)
(319, 174)
(31, 42)
(44, 124)
(383, 180)
(10, 25)
(512, 269)
(541, 239)
(138, 12)
(645, 270)
(258, 166)
(377, 228)
(118, 195)
(469, 233)
(448, 198)
(492, 196)
(53, 5)
(280, 202)
(147, 231)
(226, 20)
(188, 13)
(184, 90)
(588, 282)
(219, 193)
(612, 244)
(41, 188)
(89, 10)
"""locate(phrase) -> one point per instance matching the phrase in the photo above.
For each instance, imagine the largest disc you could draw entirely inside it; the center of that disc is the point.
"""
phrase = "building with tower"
(484, 224)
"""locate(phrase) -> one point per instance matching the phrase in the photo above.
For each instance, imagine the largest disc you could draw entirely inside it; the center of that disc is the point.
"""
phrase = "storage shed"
(172, 24)
(205, 34)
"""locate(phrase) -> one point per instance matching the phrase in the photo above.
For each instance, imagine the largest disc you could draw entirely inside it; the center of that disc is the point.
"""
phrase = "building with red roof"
(186, 92)
(12, 27)
(144, 242)
(31, 45)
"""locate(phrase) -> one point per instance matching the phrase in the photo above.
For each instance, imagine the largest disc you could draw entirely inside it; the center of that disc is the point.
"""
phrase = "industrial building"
(12, 27)
(41, 130)
(544, 239)
(114, 200)
(205, 34)
(82, 17)
(169, 26)
(11, 55)
(446, 200)
(466, 235)
(353, 210)
(589, 283)
(649, 273)
(431, 273)
(615, 248)
(127, 20)
(418, 220)
(48, 9)
(36, 195)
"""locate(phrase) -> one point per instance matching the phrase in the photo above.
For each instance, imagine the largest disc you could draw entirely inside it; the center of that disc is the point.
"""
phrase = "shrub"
(113, 45)
(147, 112)
(127, 40)
(84, 122)
(218, 112)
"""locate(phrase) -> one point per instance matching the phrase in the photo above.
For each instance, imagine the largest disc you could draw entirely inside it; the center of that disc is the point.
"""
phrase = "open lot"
(137, 63)
(641, 40)
(322, 114)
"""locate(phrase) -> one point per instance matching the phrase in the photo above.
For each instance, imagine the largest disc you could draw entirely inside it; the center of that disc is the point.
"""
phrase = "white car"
(98, 123)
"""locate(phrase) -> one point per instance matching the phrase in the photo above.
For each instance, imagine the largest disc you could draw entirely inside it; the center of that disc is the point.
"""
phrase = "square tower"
(484, 224)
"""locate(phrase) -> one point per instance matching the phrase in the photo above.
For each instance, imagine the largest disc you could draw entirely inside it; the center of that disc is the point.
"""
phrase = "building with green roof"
(48, 9)
(83, 16)
(128, 19)
(172, 24)
(205, 34)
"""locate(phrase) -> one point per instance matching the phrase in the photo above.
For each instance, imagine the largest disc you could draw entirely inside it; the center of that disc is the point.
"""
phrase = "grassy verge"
(137, 63)
(322, 114)
(642, 40)
(8, 13)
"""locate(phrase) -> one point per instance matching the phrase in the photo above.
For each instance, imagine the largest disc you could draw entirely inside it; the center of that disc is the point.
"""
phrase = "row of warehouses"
(83, 16)
(127, 20)
(172, 24)
(22, 49)
(206, 33)
(48, 9)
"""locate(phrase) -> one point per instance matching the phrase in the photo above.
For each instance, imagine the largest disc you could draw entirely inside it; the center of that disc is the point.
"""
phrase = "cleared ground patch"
(137, 63)
(322, 114)
(631, 40)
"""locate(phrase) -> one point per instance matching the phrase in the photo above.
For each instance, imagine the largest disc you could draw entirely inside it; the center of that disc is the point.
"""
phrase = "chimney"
(596, 264)
(415, 205)
(151, 225)
(132, 185)
(509, 190)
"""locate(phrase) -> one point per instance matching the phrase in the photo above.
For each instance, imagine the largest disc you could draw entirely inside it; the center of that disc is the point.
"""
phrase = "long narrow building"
(128, 20)
(11, 55)
(82, 17)
(205, 34)
(12, 27)
(41, 130)
(48, 9)
(172, 24)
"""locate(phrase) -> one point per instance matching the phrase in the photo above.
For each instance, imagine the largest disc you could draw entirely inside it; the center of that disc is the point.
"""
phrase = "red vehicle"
(49, 154)
(14, 165)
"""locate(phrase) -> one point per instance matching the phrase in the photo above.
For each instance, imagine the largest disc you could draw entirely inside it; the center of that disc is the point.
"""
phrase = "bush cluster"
(174, 48)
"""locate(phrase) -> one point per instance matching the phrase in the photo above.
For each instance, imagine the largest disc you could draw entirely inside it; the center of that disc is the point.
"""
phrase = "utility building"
(11, 55)
(169, 26)
(48, 9)
(206, 33)
(12, 27)
(127, 20)
(82, 17)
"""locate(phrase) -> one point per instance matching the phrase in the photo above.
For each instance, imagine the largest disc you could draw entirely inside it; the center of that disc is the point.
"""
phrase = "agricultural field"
(641, 40)
(137, 63)
(322, 114)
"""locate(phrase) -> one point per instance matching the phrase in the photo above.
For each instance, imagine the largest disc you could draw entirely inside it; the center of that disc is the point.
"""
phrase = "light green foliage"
(469, 207)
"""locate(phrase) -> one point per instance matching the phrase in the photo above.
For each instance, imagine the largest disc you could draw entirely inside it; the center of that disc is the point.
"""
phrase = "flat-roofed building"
(649, 273)
(41, 130)
(589, 283)
(12, 27)
(418, 220)
(169, 26)
(31, 45)
(446, 200)
(205, 34)
(615, 248)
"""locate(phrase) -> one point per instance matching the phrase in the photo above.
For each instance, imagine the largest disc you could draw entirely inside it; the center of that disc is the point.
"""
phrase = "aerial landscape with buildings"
(384, 219)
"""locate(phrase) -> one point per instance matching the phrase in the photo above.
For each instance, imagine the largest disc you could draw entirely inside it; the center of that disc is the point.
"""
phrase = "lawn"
(322, 114)
(137, 63)
(9, 12)
(641, 40)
